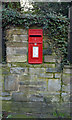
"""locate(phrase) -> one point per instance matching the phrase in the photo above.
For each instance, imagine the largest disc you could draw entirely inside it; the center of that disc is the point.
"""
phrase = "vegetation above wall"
(55, 26)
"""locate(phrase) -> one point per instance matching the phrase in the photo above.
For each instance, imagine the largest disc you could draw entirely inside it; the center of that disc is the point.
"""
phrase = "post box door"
(35, 53)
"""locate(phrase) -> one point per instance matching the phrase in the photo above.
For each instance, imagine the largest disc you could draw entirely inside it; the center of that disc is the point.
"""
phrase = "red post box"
(35, 43)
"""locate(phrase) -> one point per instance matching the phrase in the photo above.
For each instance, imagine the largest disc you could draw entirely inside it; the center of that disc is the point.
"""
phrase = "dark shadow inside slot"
(35, 35)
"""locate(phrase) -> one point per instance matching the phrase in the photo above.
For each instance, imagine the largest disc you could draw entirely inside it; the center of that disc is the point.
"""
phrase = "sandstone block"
(13, 58)
(16, 44)
(11, 83)
(20, 38)
(16, 51)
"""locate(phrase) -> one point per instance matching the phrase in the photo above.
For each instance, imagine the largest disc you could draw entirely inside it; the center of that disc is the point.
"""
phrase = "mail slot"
(35, 43)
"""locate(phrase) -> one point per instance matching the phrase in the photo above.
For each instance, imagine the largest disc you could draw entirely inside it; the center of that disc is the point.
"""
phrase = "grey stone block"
(46, 75)
(36, 71)
(65, 70)
(17, 70)
(52, 70)
(19, 96)
(54, 85)
(6, 98)
(33, 98)
(66, 78)
(66, 88)
(57, 75)
(11, 83)
(66, 97)
(5, 94)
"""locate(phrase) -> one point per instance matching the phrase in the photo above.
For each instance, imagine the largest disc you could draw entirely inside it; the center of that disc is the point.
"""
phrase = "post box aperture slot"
(35, 52)
(35, 36)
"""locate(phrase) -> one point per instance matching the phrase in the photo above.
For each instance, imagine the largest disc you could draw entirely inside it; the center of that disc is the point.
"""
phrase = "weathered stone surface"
(24, 78)
(31, 89)
(20, 38)
(36, 71)
(66, 78)
(6, 98)
(18, 70)
(66, 88)
(11, 83)
(19, 96)
(49, 65)
(16, 44)
(46, 75)
(16, 31)
(52, 70)
(66, 97)
(66, 70)
(35, 98)
(54, 85)
(57, 75)
(5, 94)
(16, 51)
(14, 58)
(49, 58)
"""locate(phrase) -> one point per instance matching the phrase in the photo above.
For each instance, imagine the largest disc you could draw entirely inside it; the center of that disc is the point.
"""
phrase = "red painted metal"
(35, 43)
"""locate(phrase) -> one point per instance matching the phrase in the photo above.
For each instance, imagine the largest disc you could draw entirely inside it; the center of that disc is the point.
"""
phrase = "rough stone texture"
(20, 38)
(19, 96)
(67, 70)
(36, 71)
(52, 70)
(11, 83)
(6, 98)
(49, 58)
(5, 94)
(16, 51)
(14, 58)
(66, 88)
(24, 77)
(45, 75)
(18, 70)
(66, 97)
(66, 78)
(54, 85)
(49, 65)
(57, 75)
(16, 44)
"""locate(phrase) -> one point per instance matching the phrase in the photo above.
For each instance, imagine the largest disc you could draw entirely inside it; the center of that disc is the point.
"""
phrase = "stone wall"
(17, 46)
(30, 88)
(34, 90)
